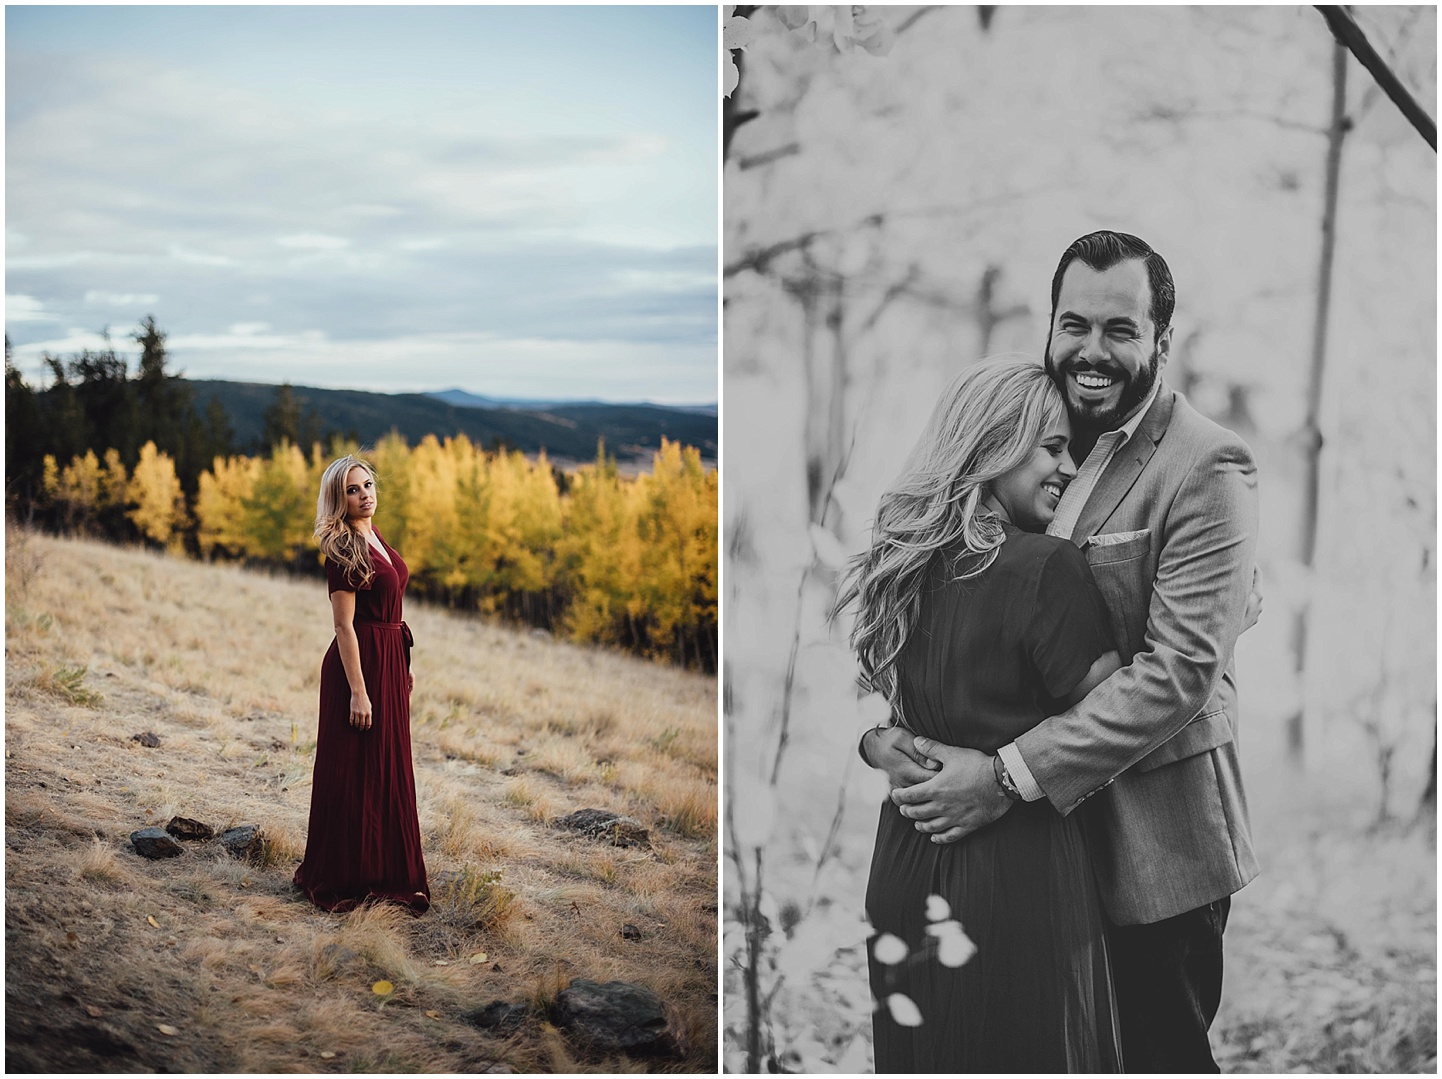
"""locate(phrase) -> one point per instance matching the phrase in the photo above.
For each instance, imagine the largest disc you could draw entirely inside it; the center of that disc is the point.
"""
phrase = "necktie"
(1080, 488)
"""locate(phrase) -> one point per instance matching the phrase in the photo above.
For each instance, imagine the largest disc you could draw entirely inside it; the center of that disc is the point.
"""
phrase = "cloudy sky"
(520, 201)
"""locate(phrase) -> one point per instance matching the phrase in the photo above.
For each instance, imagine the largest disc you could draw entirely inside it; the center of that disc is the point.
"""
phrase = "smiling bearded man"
(1165, 508)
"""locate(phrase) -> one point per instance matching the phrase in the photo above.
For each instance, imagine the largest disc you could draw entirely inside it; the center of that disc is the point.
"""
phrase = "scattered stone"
(499, 1015)
(185, 828)
(246, 841)
(498, 1069)
(149, 739)
(615, 829)
(155, 843)
(618, 1015)
(336, 959)
(630, 932)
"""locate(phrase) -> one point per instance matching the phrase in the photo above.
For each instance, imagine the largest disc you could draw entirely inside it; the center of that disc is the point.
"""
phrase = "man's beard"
(1087, 416)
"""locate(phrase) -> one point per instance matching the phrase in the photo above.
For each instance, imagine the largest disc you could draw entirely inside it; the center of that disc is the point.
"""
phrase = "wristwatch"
(1003, 779)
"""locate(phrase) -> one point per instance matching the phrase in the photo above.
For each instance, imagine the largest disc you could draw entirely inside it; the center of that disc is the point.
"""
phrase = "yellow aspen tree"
(280, 510)
(79, 488)
(158, 506)
(431, 511)
(114, 483)
(391, 460)
(50, 477)
(589, 552)
(220, 504)
(474, 559)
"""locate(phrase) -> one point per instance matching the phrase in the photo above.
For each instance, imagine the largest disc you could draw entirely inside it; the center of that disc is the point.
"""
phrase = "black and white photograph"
(1079, 580)
(361, 506)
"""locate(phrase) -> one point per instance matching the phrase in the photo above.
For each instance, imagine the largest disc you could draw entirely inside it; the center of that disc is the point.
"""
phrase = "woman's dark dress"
(364, 838)
(989, 658)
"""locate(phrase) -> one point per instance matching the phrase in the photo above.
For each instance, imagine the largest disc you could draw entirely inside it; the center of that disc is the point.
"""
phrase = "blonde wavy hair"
(987, 422)
(339, 541)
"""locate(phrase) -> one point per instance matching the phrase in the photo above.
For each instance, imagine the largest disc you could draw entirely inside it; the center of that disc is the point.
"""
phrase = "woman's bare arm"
(342, 606)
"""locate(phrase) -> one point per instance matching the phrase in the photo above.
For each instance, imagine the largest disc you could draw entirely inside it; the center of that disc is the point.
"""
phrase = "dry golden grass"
(510, 730)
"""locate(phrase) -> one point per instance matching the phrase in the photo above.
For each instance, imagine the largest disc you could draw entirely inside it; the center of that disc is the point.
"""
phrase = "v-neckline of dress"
(384, 550)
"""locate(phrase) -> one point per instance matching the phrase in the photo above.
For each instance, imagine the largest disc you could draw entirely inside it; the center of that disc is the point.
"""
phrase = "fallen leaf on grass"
(254, 968)
(479, 957)
(166, 1029)
(150, 921)
(70, 936)
(433, 1015)
(92, 1011)
(383, 988)
(327, 1055)
(443, 962)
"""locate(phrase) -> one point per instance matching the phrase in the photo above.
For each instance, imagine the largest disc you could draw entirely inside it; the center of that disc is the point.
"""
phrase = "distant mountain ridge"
(464, 399)
(564, 429)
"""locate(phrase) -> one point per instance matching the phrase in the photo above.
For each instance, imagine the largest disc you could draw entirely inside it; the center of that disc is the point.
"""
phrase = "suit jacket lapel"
(1125, 466)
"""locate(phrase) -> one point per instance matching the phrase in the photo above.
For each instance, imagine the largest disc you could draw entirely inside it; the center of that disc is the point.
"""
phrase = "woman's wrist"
(861, 746)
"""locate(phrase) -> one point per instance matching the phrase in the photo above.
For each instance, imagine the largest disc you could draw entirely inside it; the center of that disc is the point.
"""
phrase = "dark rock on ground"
(154, 843)
(615, 829)
(149, 739)
(499, 1015)
(185, 828)
(246, 841)
(630, 932)
(618, 1015)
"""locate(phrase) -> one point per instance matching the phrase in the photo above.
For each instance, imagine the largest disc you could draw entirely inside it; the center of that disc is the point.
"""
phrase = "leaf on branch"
(889, 949)
(903, 1010)
(937, 909)
(731, 74)
(954, 947)
(737, 33)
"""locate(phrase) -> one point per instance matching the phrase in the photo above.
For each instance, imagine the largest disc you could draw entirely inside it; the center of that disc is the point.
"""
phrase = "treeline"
(590, 554)
(94, 404)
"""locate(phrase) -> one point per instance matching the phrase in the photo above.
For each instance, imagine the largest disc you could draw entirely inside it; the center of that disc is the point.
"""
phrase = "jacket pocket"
(1207, 731)
(1122, 568)
(1108, 547)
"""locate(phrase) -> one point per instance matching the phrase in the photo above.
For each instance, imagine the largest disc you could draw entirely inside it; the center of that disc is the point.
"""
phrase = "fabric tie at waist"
(406, 636)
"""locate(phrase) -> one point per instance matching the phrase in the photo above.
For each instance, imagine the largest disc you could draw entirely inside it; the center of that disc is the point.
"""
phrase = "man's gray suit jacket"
(1170, 531)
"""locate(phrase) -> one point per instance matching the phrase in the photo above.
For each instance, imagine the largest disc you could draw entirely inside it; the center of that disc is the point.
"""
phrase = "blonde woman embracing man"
(1164, 508)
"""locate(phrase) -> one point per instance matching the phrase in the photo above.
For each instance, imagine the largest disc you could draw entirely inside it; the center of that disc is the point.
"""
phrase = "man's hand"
(892, 750)
(955, 802)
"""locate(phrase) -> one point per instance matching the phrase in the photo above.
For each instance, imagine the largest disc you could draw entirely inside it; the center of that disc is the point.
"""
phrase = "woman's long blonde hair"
(339, 541)
(991, 417)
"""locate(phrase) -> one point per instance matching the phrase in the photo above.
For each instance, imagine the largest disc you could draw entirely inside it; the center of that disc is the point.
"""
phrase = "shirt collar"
(1129, 428)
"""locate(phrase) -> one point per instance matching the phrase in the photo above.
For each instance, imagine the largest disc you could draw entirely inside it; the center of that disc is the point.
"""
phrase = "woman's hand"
(893, 751)
(360, 711)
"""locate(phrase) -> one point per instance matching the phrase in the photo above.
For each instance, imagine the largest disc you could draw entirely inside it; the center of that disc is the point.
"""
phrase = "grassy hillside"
(510, 729)
(568, 432)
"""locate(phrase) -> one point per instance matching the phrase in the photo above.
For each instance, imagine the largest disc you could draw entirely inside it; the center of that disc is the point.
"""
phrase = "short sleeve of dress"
(1069, 627)
(336, 578)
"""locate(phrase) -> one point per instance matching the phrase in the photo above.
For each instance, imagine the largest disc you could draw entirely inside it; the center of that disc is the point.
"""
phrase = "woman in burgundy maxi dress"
(364, 837)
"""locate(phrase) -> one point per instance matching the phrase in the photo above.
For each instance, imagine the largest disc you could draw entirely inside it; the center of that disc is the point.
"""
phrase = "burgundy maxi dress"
(364, 837)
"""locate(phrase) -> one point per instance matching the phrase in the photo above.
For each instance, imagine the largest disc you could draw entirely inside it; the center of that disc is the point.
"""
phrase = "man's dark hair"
(1103, 250)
